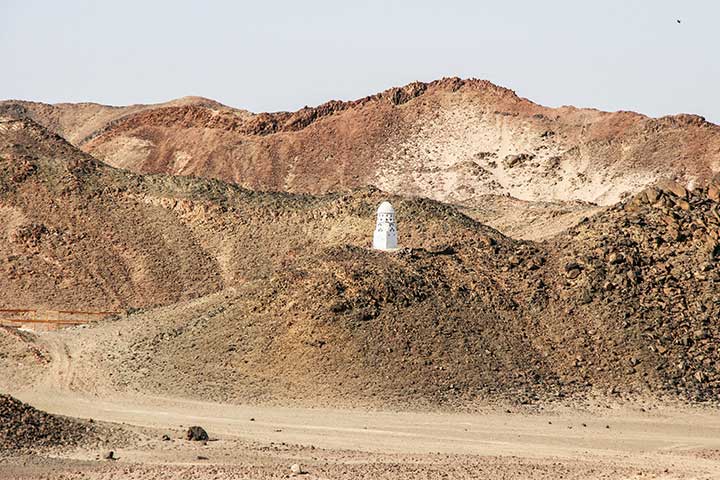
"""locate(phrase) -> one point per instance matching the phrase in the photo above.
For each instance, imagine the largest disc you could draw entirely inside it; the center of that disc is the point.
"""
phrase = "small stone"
(487, 241)
(572, 274)
(571, 266)
(585, 297)
(700, 334)
(616, 258)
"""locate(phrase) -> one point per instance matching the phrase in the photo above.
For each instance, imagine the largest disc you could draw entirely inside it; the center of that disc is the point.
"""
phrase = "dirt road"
(566, 435)
(617, 442)
(684, 442)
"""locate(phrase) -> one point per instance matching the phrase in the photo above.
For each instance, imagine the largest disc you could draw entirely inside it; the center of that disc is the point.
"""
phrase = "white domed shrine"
(385, 236)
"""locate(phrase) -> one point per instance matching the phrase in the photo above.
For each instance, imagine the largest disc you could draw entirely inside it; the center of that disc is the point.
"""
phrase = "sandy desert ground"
(594, 439)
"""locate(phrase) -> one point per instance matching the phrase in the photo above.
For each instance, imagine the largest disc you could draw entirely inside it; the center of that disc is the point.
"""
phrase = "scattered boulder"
(197, 434)
(674, 188)
(682, 204)
(652, 195)
(573, 273)
(516, 160)
(572, 266)
(648, 196)
(713, 192)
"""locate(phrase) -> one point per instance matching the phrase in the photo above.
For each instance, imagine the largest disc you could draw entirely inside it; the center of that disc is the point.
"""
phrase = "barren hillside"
(76, 122)
(277, 297)
(451, 140)
(77, 233)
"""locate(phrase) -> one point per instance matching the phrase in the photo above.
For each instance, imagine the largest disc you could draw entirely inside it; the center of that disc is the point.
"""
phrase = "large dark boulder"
(197, 434)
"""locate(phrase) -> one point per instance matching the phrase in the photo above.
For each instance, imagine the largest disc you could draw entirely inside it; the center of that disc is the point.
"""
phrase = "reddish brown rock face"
(451, 140)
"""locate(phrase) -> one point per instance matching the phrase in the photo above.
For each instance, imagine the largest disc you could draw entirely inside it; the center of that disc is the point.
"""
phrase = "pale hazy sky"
(282, 55)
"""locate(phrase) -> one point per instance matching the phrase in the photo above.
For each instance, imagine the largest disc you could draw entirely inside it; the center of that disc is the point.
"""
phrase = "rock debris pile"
(24, 428)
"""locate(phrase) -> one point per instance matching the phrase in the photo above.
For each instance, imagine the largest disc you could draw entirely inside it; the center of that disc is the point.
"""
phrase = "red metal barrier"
(32, 317)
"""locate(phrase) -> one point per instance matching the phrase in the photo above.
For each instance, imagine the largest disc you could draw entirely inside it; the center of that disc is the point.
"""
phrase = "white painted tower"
(385, 236)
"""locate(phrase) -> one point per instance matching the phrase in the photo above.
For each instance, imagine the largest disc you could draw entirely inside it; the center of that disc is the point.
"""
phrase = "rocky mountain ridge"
(451, 140)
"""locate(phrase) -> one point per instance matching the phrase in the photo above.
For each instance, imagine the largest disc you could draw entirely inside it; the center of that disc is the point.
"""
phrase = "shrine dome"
(385, 207)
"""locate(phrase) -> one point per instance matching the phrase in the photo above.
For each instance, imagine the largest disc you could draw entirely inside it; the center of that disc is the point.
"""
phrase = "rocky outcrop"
(26, 429)
(409, 140)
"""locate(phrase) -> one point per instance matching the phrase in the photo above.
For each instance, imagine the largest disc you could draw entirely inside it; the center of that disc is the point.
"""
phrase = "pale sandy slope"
(528, 220)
